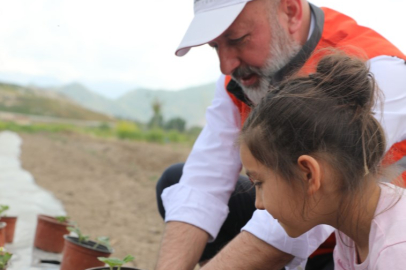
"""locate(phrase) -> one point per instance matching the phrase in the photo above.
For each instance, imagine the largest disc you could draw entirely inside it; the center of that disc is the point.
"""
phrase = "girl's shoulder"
(391, 201)
(390, 215)
(388, 228)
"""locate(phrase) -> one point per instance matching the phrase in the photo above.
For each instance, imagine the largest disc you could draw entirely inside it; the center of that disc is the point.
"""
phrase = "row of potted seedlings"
(52, 235)
(79, 252)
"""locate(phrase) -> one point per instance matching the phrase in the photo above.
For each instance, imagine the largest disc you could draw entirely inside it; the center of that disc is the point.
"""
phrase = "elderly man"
(259, 43)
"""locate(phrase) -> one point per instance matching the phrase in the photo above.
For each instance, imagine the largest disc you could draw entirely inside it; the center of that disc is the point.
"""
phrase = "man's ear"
(311, 172)
(292, 15)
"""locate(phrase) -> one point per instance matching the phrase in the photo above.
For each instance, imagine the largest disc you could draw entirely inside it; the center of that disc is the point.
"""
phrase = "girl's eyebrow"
(250, 173)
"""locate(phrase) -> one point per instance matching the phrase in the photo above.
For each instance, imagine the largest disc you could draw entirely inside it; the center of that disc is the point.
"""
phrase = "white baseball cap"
(212, 18)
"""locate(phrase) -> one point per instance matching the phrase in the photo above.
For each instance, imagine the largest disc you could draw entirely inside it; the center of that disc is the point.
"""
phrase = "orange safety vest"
(342, 32)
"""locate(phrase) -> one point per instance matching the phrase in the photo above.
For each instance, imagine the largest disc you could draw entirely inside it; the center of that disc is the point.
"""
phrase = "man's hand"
(182, 246)
(246, 251)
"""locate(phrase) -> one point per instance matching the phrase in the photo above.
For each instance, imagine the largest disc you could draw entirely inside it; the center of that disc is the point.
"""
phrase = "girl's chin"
(291, 232)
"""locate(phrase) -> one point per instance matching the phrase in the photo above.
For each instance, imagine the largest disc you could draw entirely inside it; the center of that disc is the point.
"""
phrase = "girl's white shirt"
(387, 238)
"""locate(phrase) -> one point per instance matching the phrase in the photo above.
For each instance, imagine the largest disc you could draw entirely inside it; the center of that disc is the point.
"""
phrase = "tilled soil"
(107, 186)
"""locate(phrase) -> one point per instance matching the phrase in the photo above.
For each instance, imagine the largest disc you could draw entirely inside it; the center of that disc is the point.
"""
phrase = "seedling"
(115, 262)
(62, 219)
(102, 240)
(81, 237)
(3, 208)
(4, 258)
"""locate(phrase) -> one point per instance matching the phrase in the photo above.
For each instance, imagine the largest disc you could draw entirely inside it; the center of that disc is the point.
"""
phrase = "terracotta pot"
(2, 233)
(10, 228)
(49, 234)
(81, 256)
(114, 268)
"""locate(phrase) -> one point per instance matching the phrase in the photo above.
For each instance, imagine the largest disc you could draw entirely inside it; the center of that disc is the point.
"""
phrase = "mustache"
(244, 71)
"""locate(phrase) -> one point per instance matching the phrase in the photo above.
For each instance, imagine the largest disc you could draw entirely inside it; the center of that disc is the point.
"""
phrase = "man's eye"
(237, 40)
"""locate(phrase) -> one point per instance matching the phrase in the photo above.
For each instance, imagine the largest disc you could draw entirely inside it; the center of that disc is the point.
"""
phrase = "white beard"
(282, 50)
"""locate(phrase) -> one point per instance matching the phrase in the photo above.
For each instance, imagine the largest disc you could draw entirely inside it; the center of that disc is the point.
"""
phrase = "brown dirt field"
(107, 186)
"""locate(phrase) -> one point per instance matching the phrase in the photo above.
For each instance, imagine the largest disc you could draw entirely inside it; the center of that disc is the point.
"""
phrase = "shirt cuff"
(185, 204)
(268, 229)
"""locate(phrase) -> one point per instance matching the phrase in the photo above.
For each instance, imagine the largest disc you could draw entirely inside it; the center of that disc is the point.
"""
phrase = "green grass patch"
(124, 130)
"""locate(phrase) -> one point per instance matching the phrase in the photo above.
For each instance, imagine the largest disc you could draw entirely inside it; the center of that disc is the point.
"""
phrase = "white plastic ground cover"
(26, 201)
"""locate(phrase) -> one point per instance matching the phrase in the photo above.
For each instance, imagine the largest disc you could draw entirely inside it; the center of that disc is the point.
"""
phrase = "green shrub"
(176, 136)
(155, 135)
(128, 130)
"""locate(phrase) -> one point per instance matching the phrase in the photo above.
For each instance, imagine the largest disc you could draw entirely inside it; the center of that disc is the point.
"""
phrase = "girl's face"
(281, 200)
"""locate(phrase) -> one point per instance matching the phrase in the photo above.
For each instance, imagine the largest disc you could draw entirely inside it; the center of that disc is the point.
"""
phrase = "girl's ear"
(311, 172)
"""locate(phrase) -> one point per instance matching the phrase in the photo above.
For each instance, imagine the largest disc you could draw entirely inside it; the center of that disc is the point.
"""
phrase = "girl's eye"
(255, 183)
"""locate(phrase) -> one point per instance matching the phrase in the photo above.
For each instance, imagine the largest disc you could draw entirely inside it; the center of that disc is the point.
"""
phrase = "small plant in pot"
(4, 258)
(49, 233)
(80, 253)
(10, 221)
(115, 263)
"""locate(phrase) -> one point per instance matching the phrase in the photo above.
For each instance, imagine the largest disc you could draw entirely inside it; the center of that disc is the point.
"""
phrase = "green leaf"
(105, 241)
(4, 258)
(3, 208)
(83, 238)
(62, 219)
(76, 230)
(111, 261)
(128, 258)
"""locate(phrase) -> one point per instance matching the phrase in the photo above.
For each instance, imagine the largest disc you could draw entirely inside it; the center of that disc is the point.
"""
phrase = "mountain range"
(189, 104)
(34, 101)
(78, 102)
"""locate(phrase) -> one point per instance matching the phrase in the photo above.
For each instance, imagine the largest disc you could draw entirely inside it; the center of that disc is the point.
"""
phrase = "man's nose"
(229, 60)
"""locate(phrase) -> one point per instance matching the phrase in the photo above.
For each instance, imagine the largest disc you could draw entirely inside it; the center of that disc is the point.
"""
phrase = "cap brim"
(208, 25)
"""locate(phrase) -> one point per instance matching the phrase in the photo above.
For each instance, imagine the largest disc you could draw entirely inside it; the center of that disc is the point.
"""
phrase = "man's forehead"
(241, 23)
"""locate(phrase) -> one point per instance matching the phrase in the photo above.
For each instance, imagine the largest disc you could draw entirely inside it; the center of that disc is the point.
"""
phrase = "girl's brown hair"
(327, 115)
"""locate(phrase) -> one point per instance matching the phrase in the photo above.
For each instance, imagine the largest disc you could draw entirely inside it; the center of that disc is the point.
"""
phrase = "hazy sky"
(131, 43)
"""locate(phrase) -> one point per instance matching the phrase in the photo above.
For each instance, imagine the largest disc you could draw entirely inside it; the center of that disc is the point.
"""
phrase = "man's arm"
(196, 207)
(389, 73)
(248, 252)
(181, 247)
(211, 171)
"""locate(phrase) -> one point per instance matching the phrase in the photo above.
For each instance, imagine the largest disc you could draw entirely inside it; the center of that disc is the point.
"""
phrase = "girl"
(313, 150)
